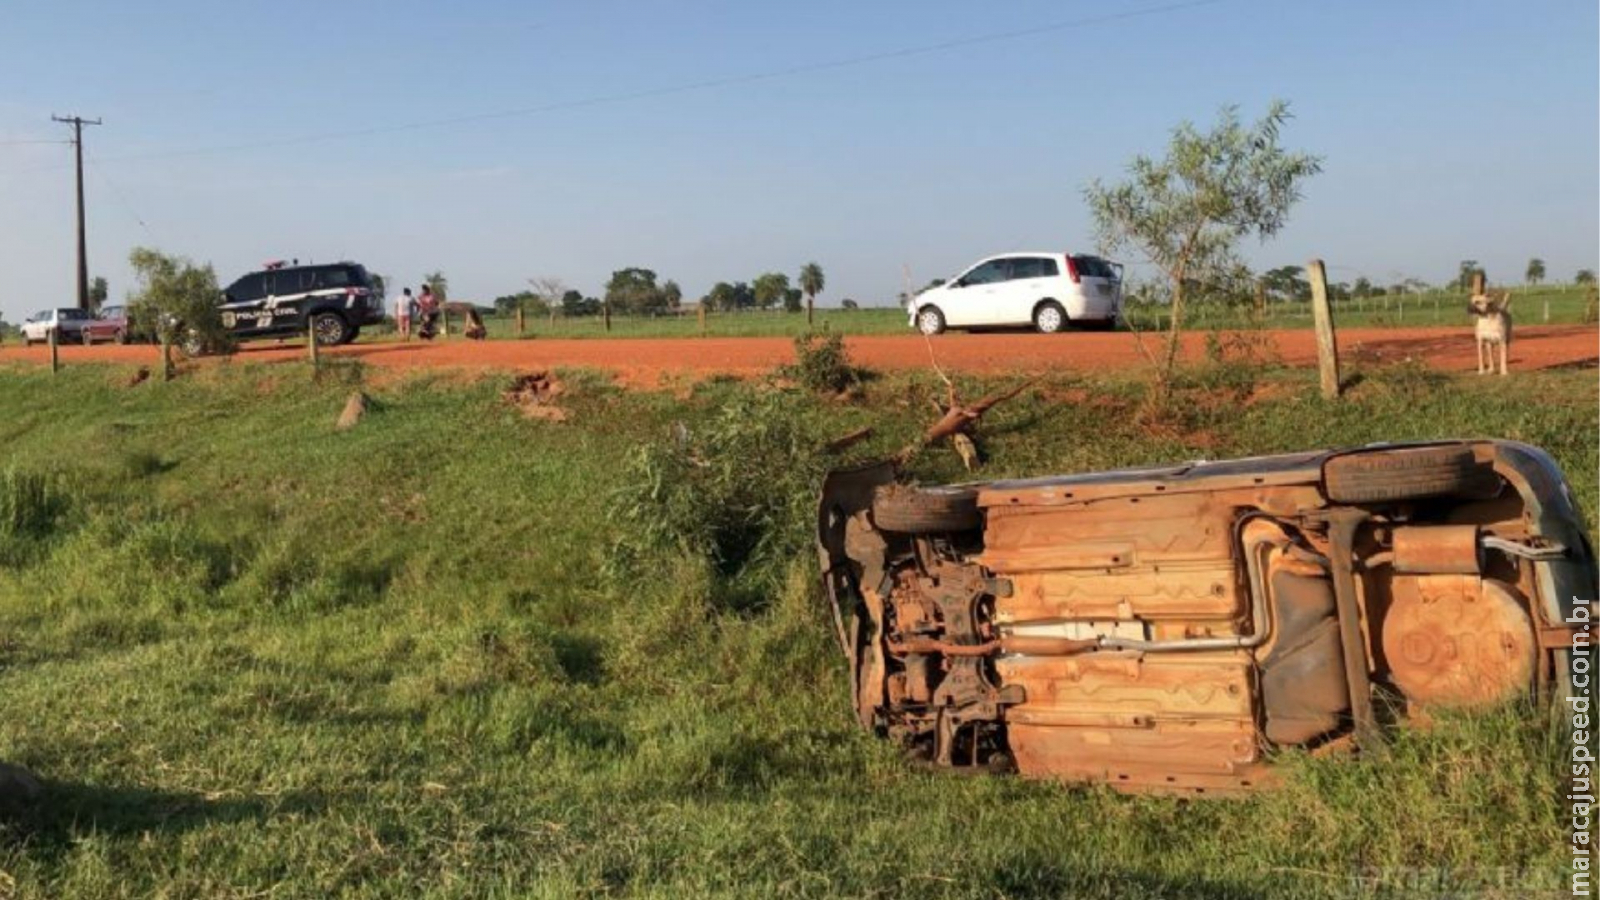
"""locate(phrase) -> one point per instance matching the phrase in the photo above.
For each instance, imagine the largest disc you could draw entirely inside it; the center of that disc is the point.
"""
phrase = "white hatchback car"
(1046, 290)
(68, 325)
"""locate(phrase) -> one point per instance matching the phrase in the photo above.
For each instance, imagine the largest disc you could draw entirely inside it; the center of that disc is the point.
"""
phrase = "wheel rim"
(1049, 319)
(928, 322)
(329, 329)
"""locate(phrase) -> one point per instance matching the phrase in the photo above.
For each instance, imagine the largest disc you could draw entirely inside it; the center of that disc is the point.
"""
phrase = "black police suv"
(334, 300)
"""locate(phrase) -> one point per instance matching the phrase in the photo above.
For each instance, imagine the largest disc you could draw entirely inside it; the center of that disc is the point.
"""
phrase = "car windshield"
(72, 314)
(111, 312)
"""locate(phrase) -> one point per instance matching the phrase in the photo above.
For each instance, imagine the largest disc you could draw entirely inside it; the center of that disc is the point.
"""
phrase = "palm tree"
(811, 281)
(1535, 273)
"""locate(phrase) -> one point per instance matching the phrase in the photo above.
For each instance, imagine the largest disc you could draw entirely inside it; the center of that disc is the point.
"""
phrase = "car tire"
(911, 510)
(1049, 318)
(121, 336)
(930, 320)
(1407, 473)
(330, 329)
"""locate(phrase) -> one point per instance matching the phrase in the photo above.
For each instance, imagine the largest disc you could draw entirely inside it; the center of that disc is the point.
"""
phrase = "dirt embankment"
(646, 360)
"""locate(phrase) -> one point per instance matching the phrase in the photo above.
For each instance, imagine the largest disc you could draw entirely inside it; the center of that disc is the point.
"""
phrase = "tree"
(548, 293)
(574, 303)
(1287, 283)
(439, 284)
(527, 301)
(1535, 273)
(1363, 287)
(770, 289)
(1584, 276)
(793, 300)
(98, 292)
(176, 300)
(725, 297)
(848, 304)
(634, 291)
(1464, 273)
(812, 282)
(1188, 211)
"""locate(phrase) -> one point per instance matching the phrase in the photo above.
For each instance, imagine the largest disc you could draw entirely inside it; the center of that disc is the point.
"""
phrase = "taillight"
(1072, 270)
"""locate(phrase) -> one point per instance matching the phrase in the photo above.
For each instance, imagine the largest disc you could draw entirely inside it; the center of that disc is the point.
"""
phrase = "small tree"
(1464, 273)
(671, 294)
(98, 292)
(1584, 276)
(1535, 273)
(812, 282)
(176, 301)
(1188, 211)
(848, 304)
(439, 284)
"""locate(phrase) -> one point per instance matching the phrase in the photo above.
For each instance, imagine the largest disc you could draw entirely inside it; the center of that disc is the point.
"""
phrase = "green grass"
(444, 654)
(1566, 306)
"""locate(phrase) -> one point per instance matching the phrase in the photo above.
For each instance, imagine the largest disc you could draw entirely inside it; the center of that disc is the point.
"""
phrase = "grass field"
(462, 652)
(1566, 305)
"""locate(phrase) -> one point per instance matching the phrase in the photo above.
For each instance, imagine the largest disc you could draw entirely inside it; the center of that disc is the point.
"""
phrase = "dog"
(1493, 329)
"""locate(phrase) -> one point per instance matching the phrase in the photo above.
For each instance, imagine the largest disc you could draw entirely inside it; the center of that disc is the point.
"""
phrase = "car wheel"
(1406, 473)
(911, 510)
(1049, 317)
(330, 329)
(930, 320)
(121, 336)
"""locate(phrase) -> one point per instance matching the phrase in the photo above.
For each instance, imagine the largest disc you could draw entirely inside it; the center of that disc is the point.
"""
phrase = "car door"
(1029, 283)
(286, 290)
(242, 304)
(974, 297)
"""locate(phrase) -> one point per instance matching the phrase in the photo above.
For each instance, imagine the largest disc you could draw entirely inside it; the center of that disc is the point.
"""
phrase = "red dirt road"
(646, 360)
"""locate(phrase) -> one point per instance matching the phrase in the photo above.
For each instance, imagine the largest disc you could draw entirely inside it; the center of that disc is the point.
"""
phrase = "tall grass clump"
(737, 491)
(31, 503)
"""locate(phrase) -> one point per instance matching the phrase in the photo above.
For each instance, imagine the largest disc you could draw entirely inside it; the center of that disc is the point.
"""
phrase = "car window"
(110, 312)
(333, 277)
(990, 272)
(250, 287)
(1033, 267)
(285, 282)
(72, 315)
(1094, 267)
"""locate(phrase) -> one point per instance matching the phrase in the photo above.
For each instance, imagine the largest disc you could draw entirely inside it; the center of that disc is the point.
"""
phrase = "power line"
(687, 87)
(20, 143)
(122, 198)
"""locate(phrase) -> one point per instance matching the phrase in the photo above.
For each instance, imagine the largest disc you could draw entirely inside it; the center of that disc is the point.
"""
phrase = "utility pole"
(77, 123)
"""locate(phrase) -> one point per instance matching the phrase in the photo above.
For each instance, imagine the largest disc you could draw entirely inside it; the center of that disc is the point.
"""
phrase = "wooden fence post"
(166, 355)
(1322, 320)
(522, 323)
(444, 321)
(313, 349)
(54, 341)
(1547, 309)
(1261, 301)
(605, 312)
(1477, 282)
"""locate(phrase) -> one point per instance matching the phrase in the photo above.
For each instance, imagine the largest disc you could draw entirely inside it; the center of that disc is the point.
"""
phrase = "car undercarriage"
(1170, 629)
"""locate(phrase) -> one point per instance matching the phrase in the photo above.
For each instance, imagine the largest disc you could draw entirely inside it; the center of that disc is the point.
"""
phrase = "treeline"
(637, 291)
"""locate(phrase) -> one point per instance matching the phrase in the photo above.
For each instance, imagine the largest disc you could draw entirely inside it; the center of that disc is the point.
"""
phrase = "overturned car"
(1168, 628)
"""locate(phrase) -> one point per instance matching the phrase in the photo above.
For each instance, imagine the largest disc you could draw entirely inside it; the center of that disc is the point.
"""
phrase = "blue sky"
(1450, 130)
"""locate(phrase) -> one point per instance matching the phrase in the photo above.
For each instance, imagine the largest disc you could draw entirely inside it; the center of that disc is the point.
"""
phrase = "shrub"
(821, 363)
(738, 493)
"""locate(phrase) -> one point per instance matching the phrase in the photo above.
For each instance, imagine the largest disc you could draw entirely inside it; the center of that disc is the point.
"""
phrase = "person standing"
(428, 312)
(404, 307)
